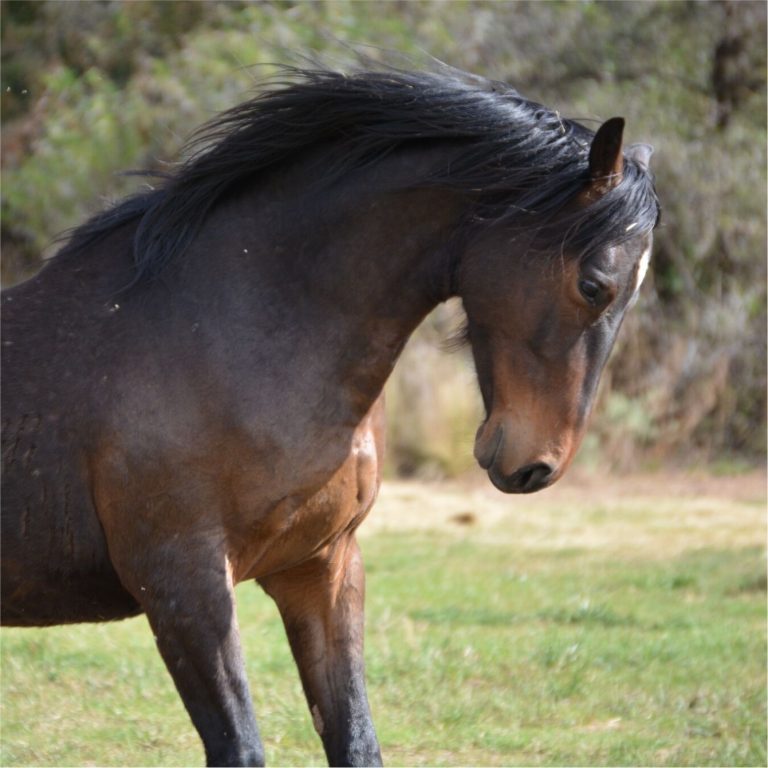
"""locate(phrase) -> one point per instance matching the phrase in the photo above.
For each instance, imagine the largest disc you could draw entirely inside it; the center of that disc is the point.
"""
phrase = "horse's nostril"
(533, 477)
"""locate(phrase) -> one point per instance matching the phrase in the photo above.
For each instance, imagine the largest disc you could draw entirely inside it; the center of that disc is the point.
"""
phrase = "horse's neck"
(331, 285)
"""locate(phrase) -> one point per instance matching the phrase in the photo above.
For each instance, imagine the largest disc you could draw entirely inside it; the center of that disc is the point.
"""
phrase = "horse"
(192, 386)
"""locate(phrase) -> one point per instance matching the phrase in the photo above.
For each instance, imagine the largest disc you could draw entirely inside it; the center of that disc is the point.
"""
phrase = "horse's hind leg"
(321, 602)
(186, 590)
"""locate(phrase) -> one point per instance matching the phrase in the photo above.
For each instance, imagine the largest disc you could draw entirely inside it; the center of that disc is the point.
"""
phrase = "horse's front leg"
(185, 588)
(321, 602)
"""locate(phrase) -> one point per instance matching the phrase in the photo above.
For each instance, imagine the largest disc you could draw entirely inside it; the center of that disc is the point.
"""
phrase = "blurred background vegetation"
(93, 88)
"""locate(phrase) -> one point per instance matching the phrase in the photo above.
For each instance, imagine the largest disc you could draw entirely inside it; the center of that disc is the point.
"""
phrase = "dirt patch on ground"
(650, 515)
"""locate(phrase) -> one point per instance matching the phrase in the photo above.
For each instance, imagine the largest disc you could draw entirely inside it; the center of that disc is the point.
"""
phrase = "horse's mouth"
(529, 479)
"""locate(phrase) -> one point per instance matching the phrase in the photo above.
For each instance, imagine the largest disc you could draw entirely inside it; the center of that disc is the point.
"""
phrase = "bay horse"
(192, 385)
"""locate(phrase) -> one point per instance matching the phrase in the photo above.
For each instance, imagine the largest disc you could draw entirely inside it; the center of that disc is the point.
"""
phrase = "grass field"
(593, 624)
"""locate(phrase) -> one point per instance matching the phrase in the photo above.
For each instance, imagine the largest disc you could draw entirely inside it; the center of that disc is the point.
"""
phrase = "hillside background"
(94, 88)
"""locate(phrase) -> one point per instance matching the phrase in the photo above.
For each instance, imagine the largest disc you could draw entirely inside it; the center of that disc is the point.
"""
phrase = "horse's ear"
(606, 160)
(641, 154)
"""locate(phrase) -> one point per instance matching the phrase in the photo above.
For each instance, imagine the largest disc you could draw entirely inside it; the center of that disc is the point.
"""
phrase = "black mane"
(518, 160)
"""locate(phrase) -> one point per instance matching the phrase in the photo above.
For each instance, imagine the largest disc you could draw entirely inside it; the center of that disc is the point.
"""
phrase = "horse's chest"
(299, 527)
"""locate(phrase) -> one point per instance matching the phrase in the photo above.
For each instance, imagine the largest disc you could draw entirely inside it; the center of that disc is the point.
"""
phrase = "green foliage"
(92, 89)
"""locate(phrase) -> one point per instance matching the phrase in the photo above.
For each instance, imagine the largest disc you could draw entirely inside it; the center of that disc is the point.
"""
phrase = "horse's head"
(541, 327)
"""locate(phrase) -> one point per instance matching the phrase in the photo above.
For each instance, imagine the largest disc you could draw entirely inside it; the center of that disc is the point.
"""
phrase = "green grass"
(478, 653)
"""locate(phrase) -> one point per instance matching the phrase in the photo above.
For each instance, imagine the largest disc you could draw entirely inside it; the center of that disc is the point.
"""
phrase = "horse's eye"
(591, 291)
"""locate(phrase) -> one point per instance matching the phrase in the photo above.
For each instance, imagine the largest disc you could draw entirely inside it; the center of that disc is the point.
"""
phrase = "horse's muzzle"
(489, 452)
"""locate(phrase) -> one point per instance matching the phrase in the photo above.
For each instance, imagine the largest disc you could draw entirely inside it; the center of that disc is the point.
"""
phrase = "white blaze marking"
(642, 269)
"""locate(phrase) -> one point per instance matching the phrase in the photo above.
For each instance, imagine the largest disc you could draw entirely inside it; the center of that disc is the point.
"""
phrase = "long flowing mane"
(516, 160)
